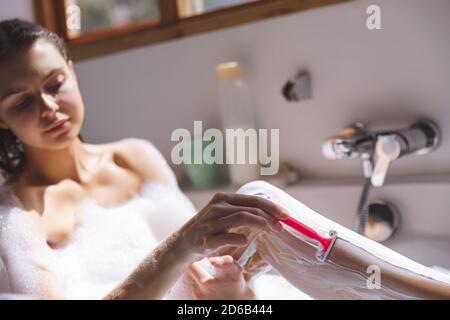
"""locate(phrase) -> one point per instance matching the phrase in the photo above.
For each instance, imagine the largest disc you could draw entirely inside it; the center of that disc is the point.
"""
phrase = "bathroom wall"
(387, 78)
(16, 8)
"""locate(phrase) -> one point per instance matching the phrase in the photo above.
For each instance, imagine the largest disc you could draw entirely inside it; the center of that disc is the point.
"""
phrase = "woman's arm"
(207, 231)
(157, 273)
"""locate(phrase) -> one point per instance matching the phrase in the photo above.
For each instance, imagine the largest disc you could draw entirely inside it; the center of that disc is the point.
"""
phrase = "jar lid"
(228, 70)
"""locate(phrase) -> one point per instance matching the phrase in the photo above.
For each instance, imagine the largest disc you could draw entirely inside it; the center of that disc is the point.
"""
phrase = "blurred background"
(386, 78)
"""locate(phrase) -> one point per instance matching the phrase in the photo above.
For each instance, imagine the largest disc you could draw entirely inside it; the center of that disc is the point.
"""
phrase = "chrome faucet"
(378, 149)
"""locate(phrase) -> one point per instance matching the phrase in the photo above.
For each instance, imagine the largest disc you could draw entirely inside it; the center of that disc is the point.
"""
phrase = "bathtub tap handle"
(387, 149)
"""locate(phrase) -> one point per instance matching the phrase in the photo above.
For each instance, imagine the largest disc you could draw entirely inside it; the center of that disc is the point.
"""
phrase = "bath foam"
(316, 278)
(107, 246)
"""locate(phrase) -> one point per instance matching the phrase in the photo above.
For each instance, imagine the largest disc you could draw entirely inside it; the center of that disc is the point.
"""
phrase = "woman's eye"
(25, 102)
(56, 86)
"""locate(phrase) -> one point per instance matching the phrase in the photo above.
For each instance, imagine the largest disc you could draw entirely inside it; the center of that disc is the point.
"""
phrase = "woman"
(50, 172)
(108, 221)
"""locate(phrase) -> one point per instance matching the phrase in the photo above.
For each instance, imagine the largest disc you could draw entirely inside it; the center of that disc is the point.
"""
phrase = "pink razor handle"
(326, 243)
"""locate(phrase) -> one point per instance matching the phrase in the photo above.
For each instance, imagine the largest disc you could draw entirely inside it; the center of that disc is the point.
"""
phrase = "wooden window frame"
(51, 14)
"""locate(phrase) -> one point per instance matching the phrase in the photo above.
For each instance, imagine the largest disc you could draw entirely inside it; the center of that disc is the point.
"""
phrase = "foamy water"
(105, 248)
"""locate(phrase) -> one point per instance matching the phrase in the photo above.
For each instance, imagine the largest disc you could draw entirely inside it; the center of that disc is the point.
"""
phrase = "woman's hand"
(209, 229)
(218, 278)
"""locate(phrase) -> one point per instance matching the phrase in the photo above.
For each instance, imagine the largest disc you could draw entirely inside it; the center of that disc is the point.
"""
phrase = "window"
(97, 27)
(108, 14)
(189, 8)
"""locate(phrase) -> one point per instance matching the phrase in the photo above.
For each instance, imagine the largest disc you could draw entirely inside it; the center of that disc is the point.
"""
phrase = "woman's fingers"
(208, 229)
(240, 219)
(227, 270)
(253, 201)
(221, 261)
(202, 279)
(225, 208)
(274, 222)
(231, 269)
(199, 274)
(197, 294)
(220, 240)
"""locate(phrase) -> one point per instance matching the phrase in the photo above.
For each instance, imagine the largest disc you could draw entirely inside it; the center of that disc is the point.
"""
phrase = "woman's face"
(39, 89)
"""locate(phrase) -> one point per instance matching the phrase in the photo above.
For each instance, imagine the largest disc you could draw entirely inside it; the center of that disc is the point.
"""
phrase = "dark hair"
(15, 35)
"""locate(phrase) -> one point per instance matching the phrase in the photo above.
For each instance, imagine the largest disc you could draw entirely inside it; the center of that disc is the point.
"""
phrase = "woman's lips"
(59, 126)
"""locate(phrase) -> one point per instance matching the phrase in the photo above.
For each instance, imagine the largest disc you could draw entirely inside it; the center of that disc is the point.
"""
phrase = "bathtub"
(423, 233)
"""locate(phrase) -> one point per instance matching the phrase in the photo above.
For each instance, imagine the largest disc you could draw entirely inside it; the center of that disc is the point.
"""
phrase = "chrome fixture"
(298, 87)
(379, 148)
(380, 221)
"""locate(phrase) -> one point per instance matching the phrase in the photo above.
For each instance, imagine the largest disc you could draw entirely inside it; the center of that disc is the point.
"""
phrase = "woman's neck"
(48, 167)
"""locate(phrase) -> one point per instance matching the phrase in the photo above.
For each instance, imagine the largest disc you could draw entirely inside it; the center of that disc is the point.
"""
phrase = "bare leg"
(351, 267)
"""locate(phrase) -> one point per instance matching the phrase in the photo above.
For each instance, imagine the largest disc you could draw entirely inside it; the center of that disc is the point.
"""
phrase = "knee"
(257, 186)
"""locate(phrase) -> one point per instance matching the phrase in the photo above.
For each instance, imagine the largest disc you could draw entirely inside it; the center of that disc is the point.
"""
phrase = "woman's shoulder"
(143, 158)
(14, 220)
(8, 200)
